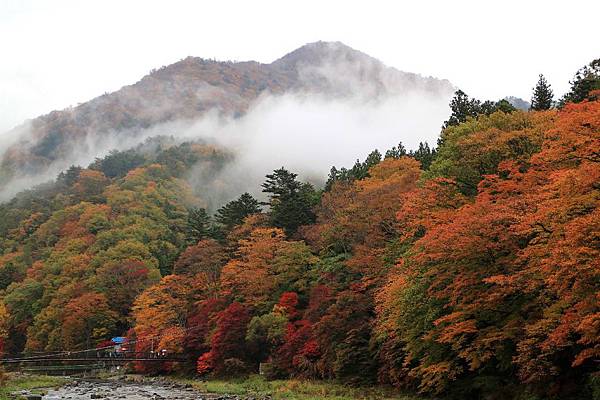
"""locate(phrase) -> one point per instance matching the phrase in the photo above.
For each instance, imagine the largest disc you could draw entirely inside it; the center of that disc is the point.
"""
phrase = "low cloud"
(309, 135)
(338, 110)
(306, 134)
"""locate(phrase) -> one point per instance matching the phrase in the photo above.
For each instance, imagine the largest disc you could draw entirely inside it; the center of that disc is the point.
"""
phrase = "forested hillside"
(467, 271)
(193, 88)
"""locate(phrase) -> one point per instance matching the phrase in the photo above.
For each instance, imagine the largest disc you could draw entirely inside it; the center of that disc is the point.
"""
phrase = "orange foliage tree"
(508, 281)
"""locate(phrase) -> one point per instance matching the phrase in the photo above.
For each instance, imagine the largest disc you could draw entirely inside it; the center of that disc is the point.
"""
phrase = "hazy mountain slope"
(338, 69)
(188, 90)
(518, 102)
(184, 90)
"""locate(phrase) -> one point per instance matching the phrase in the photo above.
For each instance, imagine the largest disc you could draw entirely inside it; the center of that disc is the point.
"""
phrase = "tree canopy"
(469, 270)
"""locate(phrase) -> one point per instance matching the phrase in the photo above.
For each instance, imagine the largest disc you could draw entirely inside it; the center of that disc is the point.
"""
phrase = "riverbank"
(140, 387)
(293, 389)
(31, 383)
(131, 387)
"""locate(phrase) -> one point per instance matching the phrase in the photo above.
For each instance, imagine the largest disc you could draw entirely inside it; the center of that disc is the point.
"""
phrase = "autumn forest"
(462, 269)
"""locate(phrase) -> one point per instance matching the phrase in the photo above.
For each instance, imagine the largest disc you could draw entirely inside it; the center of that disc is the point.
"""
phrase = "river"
(155, 390)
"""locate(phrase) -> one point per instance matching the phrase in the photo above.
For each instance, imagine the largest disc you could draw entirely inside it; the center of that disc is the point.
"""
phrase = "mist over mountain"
(518, 103)
(226, 211)
(238, 105)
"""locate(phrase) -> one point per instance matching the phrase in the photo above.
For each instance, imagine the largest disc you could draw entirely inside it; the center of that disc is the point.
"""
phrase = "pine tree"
(198, 225)
(586, 80)
(70, 176)
(291, 201)
(462, 107)
(542, 95)
(334, 176)
(234, 212)
(504, 106)
(372, 159)
(396, 152)
(425, 155)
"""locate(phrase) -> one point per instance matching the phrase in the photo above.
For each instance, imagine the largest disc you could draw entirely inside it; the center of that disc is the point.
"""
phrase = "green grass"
(293, 389)
(16, 383)
(254, 385)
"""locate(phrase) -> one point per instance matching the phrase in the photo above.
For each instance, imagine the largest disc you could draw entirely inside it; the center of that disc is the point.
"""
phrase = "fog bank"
(306, 134)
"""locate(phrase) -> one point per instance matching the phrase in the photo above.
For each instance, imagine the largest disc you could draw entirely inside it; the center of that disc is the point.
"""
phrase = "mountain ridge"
(192, 87)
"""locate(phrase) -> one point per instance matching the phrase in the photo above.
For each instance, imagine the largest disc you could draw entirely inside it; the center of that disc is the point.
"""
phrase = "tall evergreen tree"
(463, 107)
(504, 106)
(70, 176)
(360, 170)
(291, 201)
(198, 225)
(586, 80)
(118, 163)
(424, 154)
(234, 212)
(372, 159)
(543, 96)
(396, 152)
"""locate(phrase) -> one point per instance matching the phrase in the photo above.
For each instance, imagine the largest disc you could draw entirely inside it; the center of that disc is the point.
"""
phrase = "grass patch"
(19, 382)
(293, 389)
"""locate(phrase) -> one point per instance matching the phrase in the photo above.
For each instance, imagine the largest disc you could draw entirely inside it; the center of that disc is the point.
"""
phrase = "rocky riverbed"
(127, 390)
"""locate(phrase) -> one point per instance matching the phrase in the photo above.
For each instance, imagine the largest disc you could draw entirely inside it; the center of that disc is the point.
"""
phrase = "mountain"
(518, 103)
(193, 87)
(338, 69)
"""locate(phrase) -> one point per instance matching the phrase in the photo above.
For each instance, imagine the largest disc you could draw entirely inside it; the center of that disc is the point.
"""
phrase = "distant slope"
(518, 103)
(190, 88)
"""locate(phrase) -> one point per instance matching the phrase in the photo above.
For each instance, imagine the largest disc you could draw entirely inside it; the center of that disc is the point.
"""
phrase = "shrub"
(234, 367)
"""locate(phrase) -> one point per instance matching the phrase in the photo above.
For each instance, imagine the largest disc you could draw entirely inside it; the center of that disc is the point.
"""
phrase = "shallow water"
(124, 390)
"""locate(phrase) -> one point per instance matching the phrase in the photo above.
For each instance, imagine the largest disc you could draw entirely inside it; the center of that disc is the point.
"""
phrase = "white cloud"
(309, 136)
(306, 134)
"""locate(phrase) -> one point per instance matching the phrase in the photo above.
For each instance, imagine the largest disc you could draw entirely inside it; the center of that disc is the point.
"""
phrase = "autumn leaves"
(478, 275)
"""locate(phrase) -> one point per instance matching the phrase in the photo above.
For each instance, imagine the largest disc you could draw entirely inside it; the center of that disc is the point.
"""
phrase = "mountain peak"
(316, 53)
(192, 87)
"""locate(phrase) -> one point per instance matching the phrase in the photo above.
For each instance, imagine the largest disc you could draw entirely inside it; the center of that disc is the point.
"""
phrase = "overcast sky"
(58, 53)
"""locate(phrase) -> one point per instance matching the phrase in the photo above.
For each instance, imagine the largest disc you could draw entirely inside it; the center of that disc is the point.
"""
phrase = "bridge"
(85, 361)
